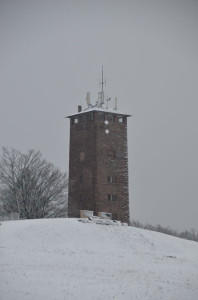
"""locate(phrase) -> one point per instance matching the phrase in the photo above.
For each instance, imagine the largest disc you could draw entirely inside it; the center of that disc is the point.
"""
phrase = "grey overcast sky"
(51, 53)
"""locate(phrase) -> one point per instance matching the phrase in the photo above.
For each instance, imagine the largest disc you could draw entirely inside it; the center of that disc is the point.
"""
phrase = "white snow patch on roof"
(100, 109)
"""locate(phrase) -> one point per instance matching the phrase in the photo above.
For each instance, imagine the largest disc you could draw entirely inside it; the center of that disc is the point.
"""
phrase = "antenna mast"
(102, 82)
(101, 93)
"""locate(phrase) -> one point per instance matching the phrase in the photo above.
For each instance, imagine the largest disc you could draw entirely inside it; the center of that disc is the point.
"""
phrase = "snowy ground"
(67, 259)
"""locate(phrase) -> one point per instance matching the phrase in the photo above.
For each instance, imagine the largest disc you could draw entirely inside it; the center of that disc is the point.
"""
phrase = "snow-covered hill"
(67, 259)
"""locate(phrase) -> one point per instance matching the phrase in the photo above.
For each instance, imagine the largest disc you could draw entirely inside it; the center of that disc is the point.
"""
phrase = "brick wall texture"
(98, 156)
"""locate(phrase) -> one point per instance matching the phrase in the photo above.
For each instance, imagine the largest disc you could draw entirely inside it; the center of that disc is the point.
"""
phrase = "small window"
(121, 119)
(101, 116)
(110, 117)
(75, 120)
(82, 118)
(112, 179)
(90, 117)
(112, 198)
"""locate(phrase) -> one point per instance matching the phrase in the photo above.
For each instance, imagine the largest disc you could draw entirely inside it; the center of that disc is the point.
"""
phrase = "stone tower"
(98, 161)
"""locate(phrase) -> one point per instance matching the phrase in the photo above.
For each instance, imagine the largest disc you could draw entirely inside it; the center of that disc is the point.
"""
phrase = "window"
(120, 119)
(101, 116)
(112, 179)
(75, 120)
(82, 118)
(110, 117)
(90, 117)
(112, 198)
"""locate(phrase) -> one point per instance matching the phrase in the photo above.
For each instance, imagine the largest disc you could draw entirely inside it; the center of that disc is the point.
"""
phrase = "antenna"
(116, 103)
(101, 93)
(88, 99)
(99, 100)
(102, 82)
(108, 100)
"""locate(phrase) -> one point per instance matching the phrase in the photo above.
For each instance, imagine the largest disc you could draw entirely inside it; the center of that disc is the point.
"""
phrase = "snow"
(67, 259)
(100, 109)
(102, 221)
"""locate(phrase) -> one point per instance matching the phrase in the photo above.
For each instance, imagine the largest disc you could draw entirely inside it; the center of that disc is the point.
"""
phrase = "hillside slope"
(66, 259)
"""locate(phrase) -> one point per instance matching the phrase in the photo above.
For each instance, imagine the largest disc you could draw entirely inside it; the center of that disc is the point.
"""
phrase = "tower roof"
(99, 109)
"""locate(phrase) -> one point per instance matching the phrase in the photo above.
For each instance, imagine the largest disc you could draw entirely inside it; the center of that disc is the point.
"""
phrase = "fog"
(51, 54)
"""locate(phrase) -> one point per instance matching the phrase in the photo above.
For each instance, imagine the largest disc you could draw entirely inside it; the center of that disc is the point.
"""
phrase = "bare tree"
(188, 235)
(31, 186)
